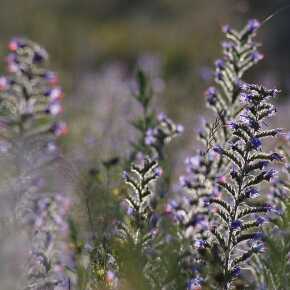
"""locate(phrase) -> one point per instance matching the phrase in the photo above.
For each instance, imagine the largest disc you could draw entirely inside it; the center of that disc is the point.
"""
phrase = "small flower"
(51, 77)
(236, 272)
(14, 44)
(218, 149)
(256, 143)
(233, 125)
(219, 75)
(110, 277)
(226, 29)
(125, 175)
(179, 129)
(227, 45)
(184, 181)
(268, 175)
(54, 108)
(258, 247)
(54, 94)
(220, 64)
(193, 162)
(200, 244)
(194, 284)
(3, 83)
(256, 56)
(150, 137)
(39, 56)
(252, 192)
(277, 157)
(236, 224)
(253, 25)
(171, 206)
(211, 95)
(59, 129)
(161, 117)
(260, 220)
(158, 171)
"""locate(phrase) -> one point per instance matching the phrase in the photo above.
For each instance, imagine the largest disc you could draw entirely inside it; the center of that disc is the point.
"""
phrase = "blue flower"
(236, 272)
(253, 25)
(211, 95)
(276, 156)
(236, 224)
(258, 247)
(268, 175)
(218, 149)
(260, 220)
(226, 29)
(252, 192)
(220, 64)
(256, 56)
(256, 143)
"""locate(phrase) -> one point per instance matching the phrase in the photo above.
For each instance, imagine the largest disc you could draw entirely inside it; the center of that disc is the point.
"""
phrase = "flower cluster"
(50, 254)
(30, 96)
(30, 102)
(161, 134)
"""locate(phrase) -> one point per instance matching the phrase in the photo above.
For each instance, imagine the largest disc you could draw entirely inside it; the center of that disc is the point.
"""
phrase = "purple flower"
(59, 129)
(268, 175)
(220, 64)
(219, 75)
(218, 149)
(226, 28)
(246, 97)
(179, 129)
(54, 93)
(256, 143)
(258, 247)
(194, 284)
(211, 95)
(233, 125)
(236, 224)
(125, 175)
(184, 181)
(276, 156)
(200, 244)
(252, 192)
(51, 77)
(253, 25)
(256, 56)
(227, 45)
(236, 272)
(234, 173)
(262, 164)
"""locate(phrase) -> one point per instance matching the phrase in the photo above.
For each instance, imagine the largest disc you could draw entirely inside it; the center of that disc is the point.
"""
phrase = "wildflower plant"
(238, 231)
(137, 235)
(29, 105)
(240, 53)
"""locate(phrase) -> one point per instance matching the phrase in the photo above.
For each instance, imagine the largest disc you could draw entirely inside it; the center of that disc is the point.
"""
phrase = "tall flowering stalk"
(240, 53)
(156, 130)
(30, 101)
(273, 268)
(137, 234)
(238, 229)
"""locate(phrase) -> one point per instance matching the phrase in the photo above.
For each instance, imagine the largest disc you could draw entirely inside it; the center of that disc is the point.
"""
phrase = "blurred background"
(96, 45)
